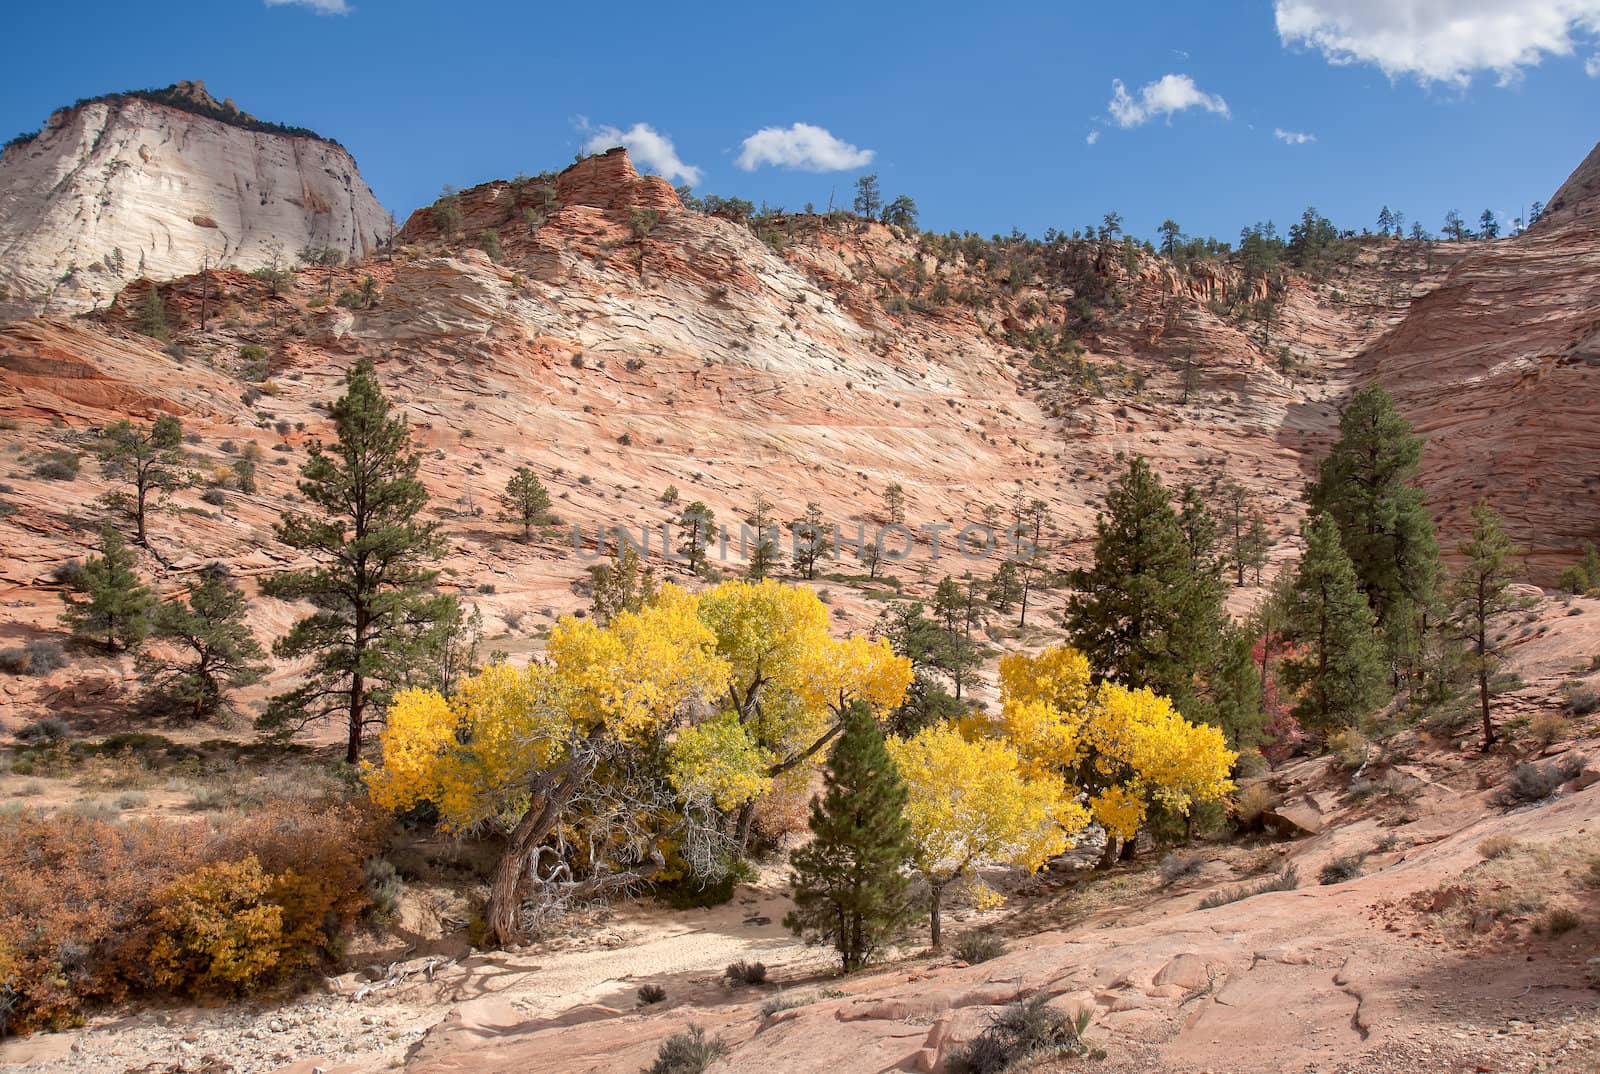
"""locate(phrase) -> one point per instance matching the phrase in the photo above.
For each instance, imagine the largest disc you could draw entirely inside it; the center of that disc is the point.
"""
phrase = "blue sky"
(991, 116)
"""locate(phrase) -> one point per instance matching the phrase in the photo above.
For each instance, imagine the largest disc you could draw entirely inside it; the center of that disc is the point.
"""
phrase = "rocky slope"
(1499, 368)
(818, 366)
(128, 186)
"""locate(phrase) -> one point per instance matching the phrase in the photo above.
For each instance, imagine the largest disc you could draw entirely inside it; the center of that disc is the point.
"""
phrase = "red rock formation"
(607, 181)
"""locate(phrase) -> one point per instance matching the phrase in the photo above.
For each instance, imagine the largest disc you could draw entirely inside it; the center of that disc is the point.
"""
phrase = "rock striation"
(155, 184)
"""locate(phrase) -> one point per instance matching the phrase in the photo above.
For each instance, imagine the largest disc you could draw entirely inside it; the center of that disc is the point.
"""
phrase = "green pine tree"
(625, 584)
(1235, 689)
(526, 500)
(762, 541)
(1583, 575)
(698, 524)
(151, 459)
(1005, 588)
(1340, 665)
(371, 582)
(111, 604)
(209, 648)
(1368, 485)
(1482, 590)
(850, 887)
(1148, 612)
(811, 543)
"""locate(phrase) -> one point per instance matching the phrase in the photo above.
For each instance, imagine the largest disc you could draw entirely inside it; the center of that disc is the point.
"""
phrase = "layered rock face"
(606, 181)
(1499, 369)
(124, 187)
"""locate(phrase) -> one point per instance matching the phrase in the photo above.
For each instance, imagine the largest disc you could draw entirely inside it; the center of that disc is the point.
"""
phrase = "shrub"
(687, 1053)
(1287, 879)
(76, 894)
(215, 497)
(1344, 867)
(1180, 865)
(1560, 921)
(1547, 727)
(1496, 846)
(58, 466)
(1582, 700)
(384, 888)
(650, 994)
(45, 731)
(1251, 806)
(783, 1001)
(750, 973)
(220, 931)
(1533, 782)
(1349, 746)
(974, 946)
(1023, 1031)
(69, 573)
(44, 656)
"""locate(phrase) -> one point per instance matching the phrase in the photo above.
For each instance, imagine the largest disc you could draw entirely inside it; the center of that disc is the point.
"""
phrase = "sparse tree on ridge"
(868, 200)
(526, 501)
(1171, 234)
(901, 213)
(151, 458)
(1482, 591)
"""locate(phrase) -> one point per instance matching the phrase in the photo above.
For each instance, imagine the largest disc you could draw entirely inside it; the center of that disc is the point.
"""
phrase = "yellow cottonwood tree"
(518, 745)
(1126, 750)
(711, 696)
(790, 681)
(973, 800)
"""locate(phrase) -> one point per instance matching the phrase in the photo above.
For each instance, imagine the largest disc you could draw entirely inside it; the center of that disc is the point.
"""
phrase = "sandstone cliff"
(1499, 369)
(127, 186)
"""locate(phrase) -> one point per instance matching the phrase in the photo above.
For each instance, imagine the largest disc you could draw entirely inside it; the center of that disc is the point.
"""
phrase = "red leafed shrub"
(93, 911)
(75, 893)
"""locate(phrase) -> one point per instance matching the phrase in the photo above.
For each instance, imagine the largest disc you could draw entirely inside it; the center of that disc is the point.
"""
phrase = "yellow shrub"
(218, 930)
(1350, 747)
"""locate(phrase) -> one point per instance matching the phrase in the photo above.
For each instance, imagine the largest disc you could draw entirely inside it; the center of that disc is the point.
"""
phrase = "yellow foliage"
(776, 643)
(218, 930)
(1127, 749)
(636, 671)
(1119, 809)
(716, 760)
(974, 800)
(634, 681)
(472, 754)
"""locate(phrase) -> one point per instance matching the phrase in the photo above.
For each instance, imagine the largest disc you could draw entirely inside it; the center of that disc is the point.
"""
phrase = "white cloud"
(1438, 40)
(321, 7)
(1094, 136)
(802, 146)
(647, 146)
(1591, 66)
(1163, 97)
(1292, 137)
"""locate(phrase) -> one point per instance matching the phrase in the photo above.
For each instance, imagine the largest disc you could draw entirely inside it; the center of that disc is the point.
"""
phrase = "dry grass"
(1497, 846)
(1517, 882)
